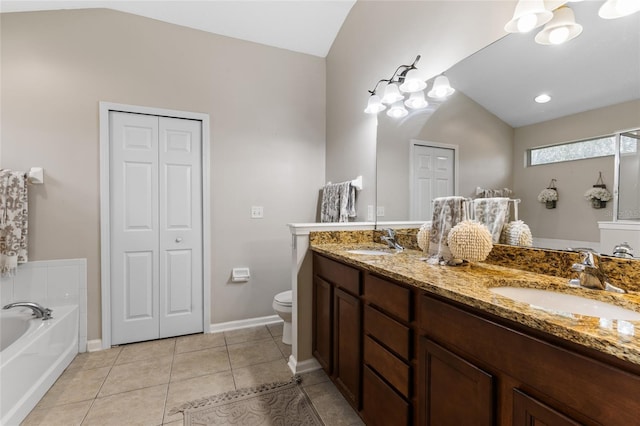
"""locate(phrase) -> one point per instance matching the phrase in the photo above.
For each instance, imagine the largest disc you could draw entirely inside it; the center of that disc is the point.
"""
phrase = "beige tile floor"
(138, 384)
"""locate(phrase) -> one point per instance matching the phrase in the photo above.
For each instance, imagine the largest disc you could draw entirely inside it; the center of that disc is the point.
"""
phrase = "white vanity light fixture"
(613, 9)
(397, 110)
(441, 88)
(404, 88)
(529, 14)
(374, 105)
(542, 98)
(391, 94)
(416, 101)
(561, 28)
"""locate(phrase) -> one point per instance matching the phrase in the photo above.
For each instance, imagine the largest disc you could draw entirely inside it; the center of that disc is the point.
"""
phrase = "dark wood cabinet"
(404, 356)
(323, 323)
(455, 391)
(337, 325)
(387, 352)
(528, 411)
(542, 382)
(346, 336)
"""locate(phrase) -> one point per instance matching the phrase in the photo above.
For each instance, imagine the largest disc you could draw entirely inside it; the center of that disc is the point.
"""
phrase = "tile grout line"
(166, 395)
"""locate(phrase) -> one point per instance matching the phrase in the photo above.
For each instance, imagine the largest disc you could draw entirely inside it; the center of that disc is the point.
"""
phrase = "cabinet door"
(323, 323)
(530, 412)
(347, 344)
(453, 391)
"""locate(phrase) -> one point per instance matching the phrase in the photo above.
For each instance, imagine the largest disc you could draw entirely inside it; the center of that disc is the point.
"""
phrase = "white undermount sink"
(370, 252)
(568, 303)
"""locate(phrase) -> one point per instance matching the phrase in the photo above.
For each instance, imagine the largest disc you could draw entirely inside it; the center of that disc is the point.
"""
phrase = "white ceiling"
(306, 26)
(600, 67)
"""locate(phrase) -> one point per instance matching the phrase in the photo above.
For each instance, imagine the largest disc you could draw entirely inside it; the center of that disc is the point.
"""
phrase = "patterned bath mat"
(274, 404)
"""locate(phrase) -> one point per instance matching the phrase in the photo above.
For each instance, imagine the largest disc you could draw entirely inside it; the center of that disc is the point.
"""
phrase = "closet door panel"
(180, 226)
(134, 227)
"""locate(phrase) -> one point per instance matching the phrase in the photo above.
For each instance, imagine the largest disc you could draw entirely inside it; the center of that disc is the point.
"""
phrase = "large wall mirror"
(492, 121)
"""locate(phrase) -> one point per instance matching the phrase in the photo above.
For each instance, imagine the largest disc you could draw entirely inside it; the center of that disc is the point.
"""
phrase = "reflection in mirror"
(594, 84)
(629, 180)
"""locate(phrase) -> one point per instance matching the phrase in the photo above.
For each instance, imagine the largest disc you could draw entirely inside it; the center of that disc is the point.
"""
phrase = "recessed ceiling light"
(543, 98)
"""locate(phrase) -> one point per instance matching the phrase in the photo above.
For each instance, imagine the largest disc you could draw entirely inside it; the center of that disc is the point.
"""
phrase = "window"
(581, 150)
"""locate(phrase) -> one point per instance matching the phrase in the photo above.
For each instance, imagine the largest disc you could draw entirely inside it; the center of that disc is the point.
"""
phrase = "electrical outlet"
(380, 211)
(257, 212)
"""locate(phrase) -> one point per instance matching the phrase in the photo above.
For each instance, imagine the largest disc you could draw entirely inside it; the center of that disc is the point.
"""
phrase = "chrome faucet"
(590, 275)
(39, 311)
(390, 239)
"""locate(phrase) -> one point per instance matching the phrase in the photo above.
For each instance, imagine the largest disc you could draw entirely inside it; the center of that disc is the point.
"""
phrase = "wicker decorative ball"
(423, 236)
(470, 240)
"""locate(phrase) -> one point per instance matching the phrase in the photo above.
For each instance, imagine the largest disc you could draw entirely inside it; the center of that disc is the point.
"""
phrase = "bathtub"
(33, 355)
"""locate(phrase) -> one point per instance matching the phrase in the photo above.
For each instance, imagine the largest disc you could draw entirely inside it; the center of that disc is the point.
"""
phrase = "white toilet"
(282, 305)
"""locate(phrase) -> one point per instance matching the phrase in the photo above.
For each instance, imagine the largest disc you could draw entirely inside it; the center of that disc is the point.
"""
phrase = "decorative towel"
(447, 213)
(516, 233)
(491, 193)
(13, 220)
(338, 202)
(492, 212)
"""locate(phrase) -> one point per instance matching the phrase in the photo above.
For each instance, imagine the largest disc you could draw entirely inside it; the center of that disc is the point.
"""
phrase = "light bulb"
(416, 101)
(627, 7)
(391, 94)
(559, 35)
(613, 9)
(397, 110)
(527, 22)
(374, 105)
(542, 98)
(441, 88)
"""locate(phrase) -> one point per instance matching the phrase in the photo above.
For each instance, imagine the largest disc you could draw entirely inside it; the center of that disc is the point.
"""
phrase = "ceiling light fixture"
(404, 88)
(613, 9)
(542, 98)
(529, 14)
(560, 29)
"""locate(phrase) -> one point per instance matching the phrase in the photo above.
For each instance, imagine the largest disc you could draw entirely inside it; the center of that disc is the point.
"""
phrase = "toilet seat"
(284, 298)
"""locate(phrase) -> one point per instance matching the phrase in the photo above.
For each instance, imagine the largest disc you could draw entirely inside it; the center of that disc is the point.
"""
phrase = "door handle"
(178, 239)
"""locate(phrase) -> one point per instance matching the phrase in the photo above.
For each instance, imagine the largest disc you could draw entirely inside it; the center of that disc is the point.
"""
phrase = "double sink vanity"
(410, 343)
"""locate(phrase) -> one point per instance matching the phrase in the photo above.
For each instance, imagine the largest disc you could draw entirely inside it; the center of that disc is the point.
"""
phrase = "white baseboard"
(303, 366)
(245, 323)
(96, 345)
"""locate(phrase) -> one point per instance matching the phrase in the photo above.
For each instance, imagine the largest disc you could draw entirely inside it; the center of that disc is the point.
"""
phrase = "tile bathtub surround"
(139, 383)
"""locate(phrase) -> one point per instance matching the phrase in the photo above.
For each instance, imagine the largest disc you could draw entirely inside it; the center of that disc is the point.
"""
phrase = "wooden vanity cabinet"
(337, 329)
(473, 366)
(387, 353)
(404, 356)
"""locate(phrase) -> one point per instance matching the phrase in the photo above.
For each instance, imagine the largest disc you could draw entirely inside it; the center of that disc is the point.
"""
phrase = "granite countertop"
(470, 284)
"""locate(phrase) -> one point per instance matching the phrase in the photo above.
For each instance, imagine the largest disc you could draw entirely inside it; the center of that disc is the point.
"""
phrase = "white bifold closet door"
(156, 227)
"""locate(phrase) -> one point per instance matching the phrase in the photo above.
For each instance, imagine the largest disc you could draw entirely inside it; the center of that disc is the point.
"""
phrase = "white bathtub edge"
(40, 388)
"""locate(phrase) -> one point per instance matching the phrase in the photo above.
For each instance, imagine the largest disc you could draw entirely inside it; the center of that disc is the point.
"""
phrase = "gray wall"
(267, 111)
(573, 218)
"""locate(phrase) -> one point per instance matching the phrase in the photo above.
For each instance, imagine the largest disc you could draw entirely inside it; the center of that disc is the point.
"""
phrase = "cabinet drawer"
(336, 273)
(389, 332)
(392, 368)
(381, 406)
(388, 296)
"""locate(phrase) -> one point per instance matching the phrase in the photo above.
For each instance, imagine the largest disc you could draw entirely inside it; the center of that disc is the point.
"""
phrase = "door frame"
(456, 168)
(105, 224)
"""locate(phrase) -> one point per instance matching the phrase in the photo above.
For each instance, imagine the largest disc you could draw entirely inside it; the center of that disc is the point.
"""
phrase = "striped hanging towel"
(14, 213)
